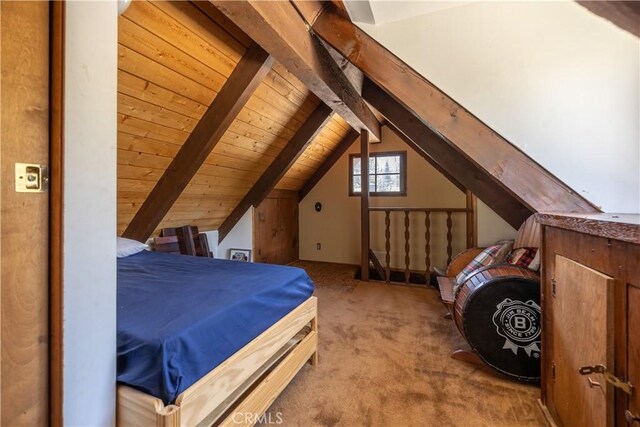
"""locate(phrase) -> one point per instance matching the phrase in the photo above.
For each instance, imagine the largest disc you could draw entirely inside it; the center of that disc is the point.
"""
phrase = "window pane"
(388, 164)
(388, 183)
(356, 166)
(385, 173)
(356, 184)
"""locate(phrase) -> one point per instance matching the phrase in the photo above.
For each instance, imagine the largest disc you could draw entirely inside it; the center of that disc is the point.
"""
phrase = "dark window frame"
(403, 174)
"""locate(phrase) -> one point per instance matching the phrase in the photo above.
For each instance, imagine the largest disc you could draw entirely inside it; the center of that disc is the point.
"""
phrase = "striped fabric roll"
(525, 258)
(529, 234)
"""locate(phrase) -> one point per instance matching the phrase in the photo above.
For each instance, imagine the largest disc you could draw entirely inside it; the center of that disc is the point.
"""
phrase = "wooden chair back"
(529, 234)
(189, 239)
(185, 238)
(170, 245)
(202, 246)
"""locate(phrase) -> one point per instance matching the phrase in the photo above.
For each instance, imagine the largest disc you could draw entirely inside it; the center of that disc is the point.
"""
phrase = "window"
(387, 174)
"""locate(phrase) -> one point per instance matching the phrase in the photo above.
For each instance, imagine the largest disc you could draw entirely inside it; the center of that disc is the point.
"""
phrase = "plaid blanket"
(484, 258)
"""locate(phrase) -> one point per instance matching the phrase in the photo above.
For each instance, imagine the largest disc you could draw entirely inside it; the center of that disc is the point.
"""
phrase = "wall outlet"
(318, 246)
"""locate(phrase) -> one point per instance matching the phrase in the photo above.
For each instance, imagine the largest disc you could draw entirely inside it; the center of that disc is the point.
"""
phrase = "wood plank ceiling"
(173, 59)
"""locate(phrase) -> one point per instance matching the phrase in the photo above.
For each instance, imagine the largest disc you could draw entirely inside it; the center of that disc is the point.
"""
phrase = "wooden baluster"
(472, 220)
(427, 245)
(387, 245)
(449, 237)
(407, 260)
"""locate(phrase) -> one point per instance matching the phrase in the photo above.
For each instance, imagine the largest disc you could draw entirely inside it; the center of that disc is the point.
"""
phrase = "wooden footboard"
(227, 386)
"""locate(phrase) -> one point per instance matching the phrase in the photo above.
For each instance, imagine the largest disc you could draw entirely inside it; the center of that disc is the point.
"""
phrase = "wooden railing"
(428, 212)
(365, 212)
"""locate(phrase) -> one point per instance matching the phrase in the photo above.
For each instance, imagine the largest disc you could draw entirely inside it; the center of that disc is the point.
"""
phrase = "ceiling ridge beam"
(282, 32)
(278, 168)
(310, 10)
(241, 84)
(448, 158)
(425, 156)
(335, 155)
(512, 169)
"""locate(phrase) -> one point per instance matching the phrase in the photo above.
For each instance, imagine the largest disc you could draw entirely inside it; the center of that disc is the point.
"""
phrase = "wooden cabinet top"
(624, 227)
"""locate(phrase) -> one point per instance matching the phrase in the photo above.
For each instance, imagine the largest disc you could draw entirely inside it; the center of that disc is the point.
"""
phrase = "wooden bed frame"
(240, 389)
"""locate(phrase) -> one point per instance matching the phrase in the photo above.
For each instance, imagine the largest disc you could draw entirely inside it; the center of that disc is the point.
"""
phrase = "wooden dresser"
(591, 311)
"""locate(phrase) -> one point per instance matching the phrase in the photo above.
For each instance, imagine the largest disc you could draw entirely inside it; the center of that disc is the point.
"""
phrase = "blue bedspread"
(180, 316)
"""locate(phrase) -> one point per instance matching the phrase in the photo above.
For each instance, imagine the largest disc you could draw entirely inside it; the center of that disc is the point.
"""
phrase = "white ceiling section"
(360, 11)
(383, 11)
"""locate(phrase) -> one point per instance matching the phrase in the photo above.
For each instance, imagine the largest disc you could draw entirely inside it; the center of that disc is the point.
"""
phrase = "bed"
(204, 341)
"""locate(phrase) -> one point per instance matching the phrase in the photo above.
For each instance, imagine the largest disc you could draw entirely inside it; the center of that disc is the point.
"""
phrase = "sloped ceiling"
(382, 11)
(624, 14)
(173, 60)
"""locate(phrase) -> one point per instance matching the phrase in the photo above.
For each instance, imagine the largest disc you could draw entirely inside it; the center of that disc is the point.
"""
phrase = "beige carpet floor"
(384, 361)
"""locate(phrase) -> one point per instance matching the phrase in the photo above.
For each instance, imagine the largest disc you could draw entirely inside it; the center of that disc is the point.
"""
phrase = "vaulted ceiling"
(383, 11)
(624, 14)
(173, 60)
(219, 102)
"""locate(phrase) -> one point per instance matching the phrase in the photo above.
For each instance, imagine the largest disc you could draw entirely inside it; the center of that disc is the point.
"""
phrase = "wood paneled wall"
(173, 59)
(24, 277)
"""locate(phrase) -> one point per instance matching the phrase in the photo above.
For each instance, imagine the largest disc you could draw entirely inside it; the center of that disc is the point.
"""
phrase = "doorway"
(276, 228)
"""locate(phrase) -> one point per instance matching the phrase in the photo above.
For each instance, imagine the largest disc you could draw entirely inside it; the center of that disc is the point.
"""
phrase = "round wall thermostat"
(318, 206)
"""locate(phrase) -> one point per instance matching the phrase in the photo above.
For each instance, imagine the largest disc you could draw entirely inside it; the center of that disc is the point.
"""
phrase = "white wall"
(89, 323)
(556, 80)
(491, 227)
(240, 237)
(337, 226)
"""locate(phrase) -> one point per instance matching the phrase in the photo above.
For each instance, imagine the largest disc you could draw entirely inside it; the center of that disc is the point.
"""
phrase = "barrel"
(497, 310)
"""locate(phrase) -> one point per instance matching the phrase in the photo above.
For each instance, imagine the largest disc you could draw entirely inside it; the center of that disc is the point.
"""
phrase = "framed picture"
(243, 255)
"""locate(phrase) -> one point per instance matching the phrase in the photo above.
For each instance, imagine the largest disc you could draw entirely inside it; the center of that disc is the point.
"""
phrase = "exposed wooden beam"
(309, 9)
(425, 156)
(237, 90)
(342, 148)
(364, 206)
(624, 14)
(219, 18)
(377, 113)
(512, 169)
(470, 175)
(340, 5)
(277, 169)
(351, 72)
(282, 32)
